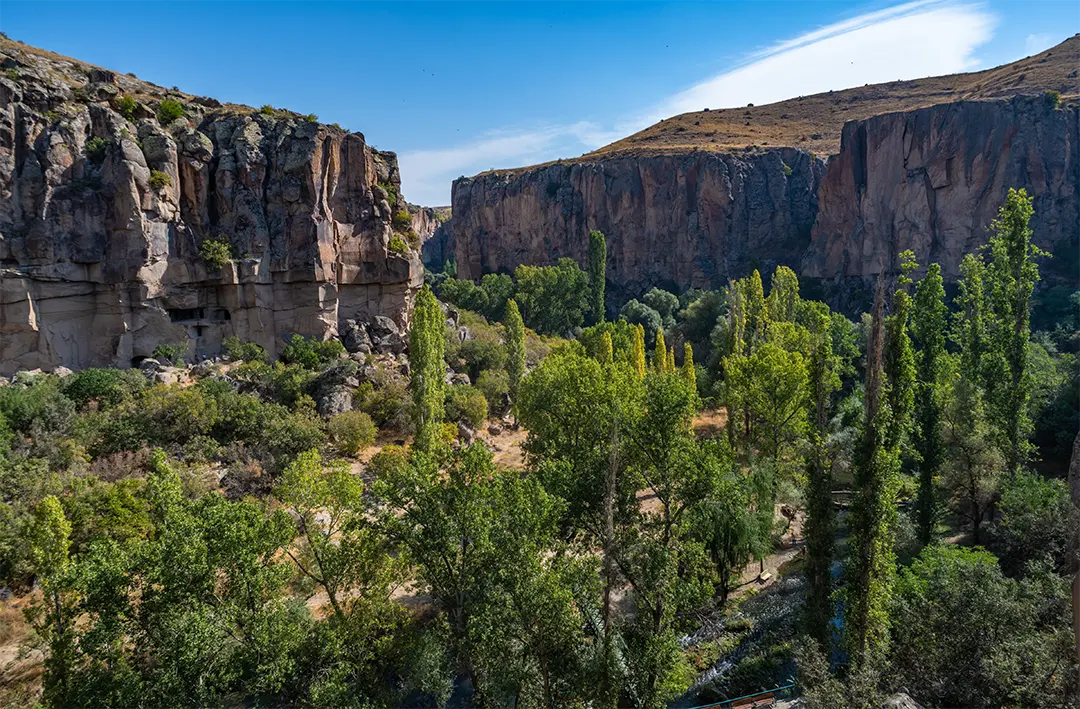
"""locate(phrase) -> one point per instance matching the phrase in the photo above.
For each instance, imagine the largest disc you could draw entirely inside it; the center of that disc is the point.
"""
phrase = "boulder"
(62, 371)
(355, 337)
(335, 400)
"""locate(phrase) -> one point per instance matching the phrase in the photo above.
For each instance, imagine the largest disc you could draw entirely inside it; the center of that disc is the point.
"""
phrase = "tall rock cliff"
(932, 180)
(106, 201)
(675, 220)
(699, 198)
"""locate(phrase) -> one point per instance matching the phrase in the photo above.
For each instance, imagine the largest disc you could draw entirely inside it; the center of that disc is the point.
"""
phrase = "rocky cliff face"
(932, 180)
(106, 202)
(681, 221)
(929, 180)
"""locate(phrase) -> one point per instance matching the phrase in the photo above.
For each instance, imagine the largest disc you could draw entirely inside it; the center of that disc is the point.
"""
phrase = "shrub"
(402, 220)
(389, 405)
(125, 106)
(173, 353)
(169, 110)
(311, 352)
(95, 149)
(311, 118)
(267, 110)
(480, 354)
(159, 180)
(398, 246)
(787, 170)
(1036, 520)
(109, 387)
(352, 431)
(495, 385)
(466, 404)
(1053, 98)
(216, 253)
(390, 461)
(243, 351)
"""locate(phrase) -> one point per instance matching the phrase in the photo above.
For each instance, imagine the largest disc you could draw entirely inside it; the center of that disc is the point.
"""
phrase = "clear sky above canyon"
(458, 88)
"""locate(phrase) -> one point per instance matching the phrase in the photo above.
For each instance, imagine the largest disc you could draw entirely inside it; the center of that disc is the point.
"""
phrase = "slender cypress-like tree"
(660, 353)
(1011, 278)
(783, 298)
(929, 324)
(515, 349)
(872, 561)
(689, 373)
(820, 526)
(597, 273)
(757, 312)
(607, 354)
(670, 367)
(638, 352)
(427, 368)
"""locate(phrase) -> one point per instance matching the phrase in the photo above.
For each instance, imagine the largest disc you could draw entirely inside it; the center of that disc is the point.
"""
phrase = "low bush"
(398, 245)
(351, 431)
(95, 149)
(169, 110)
(311, 352)
(495, 385)
(402, 220)
(173, 353)
(243, 351)
(467, 405)
(216, 253)
(159, 180)
(125, 106)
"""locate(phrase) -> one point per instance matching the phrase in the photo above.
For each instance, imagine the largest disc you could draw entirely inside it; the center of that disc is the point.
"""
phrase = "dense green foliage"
(597, 275)
(229, 541)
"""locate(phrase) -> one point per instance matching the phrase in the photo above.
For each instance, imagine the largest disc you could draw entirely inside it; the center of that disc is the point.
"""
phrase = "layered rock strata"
(107, 203)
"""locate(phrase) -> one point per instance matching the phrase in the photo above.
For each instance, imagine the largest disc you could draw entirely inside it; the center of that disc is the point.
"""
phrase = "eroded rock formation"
(105, 205)
(693, 220)
(932, 180)
(929, 180)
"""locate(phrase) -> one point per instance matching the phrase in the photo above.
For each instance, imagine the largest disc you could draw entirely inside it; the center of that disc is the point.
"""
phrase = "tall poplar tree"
(514, 334)
(1011, 278)
(872, 561)
(597, 273)
(820, 528)
(637, 355)
(607, 354)
(783, 298)
(427, 368)
(689, 373)
(929, 324)
(757, 311)
(660, 353)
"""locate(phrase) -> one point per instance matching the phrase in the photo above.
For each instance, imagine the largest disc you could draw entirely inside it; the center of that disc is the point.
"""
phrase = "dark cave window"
(183, 314)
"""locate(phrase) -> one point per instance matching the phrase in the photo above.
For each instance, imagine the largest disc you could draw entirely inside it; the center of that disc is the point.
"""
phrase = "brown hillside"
(813, 123)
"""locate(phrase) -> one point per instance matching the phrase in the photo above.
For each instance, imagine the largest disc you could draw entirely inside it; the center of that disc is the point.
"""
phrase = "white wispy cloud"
(923, 38)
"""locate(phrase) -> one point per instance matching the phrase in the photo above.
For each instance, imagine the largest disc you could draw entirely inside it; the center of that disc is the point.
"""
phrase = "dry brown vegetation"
(813, 123)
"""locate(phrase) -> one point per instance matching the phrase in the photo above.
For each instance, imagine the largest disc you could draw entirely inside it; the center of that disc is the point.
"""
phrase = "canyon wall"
(105, 206)
(929, 180)
(932, 180)
(677, 221)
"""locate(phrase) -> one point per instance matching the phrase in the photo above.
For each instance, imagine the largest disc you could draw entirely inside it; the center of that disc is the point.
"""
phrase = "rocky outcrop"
(931, 180)
(106, 203)
(693, 220)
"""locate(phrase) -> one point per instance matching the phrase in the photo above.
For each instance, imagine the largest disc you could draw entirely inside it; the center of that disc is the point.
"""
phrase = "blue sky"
(458, 88)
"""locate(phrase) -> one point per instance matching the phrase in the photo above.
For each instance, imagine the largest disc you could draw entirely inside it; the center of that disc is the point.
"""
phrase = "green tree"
(689, 373)
(351, 431)
(553, 299)
(49, 541)
(427, 369)
(514, 336)
(783, 302)
(929, 327)
(637, 356)
(769, 387)
(660, 353)
(871, 567)
(607, 355)
(1011, 277)
(820, 526)
(971, 470)
(597, 274)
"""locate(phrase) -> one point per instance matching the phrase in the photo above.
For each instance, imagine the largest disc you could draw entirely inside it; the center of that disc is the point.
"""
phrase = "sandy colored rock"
(98, 266)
